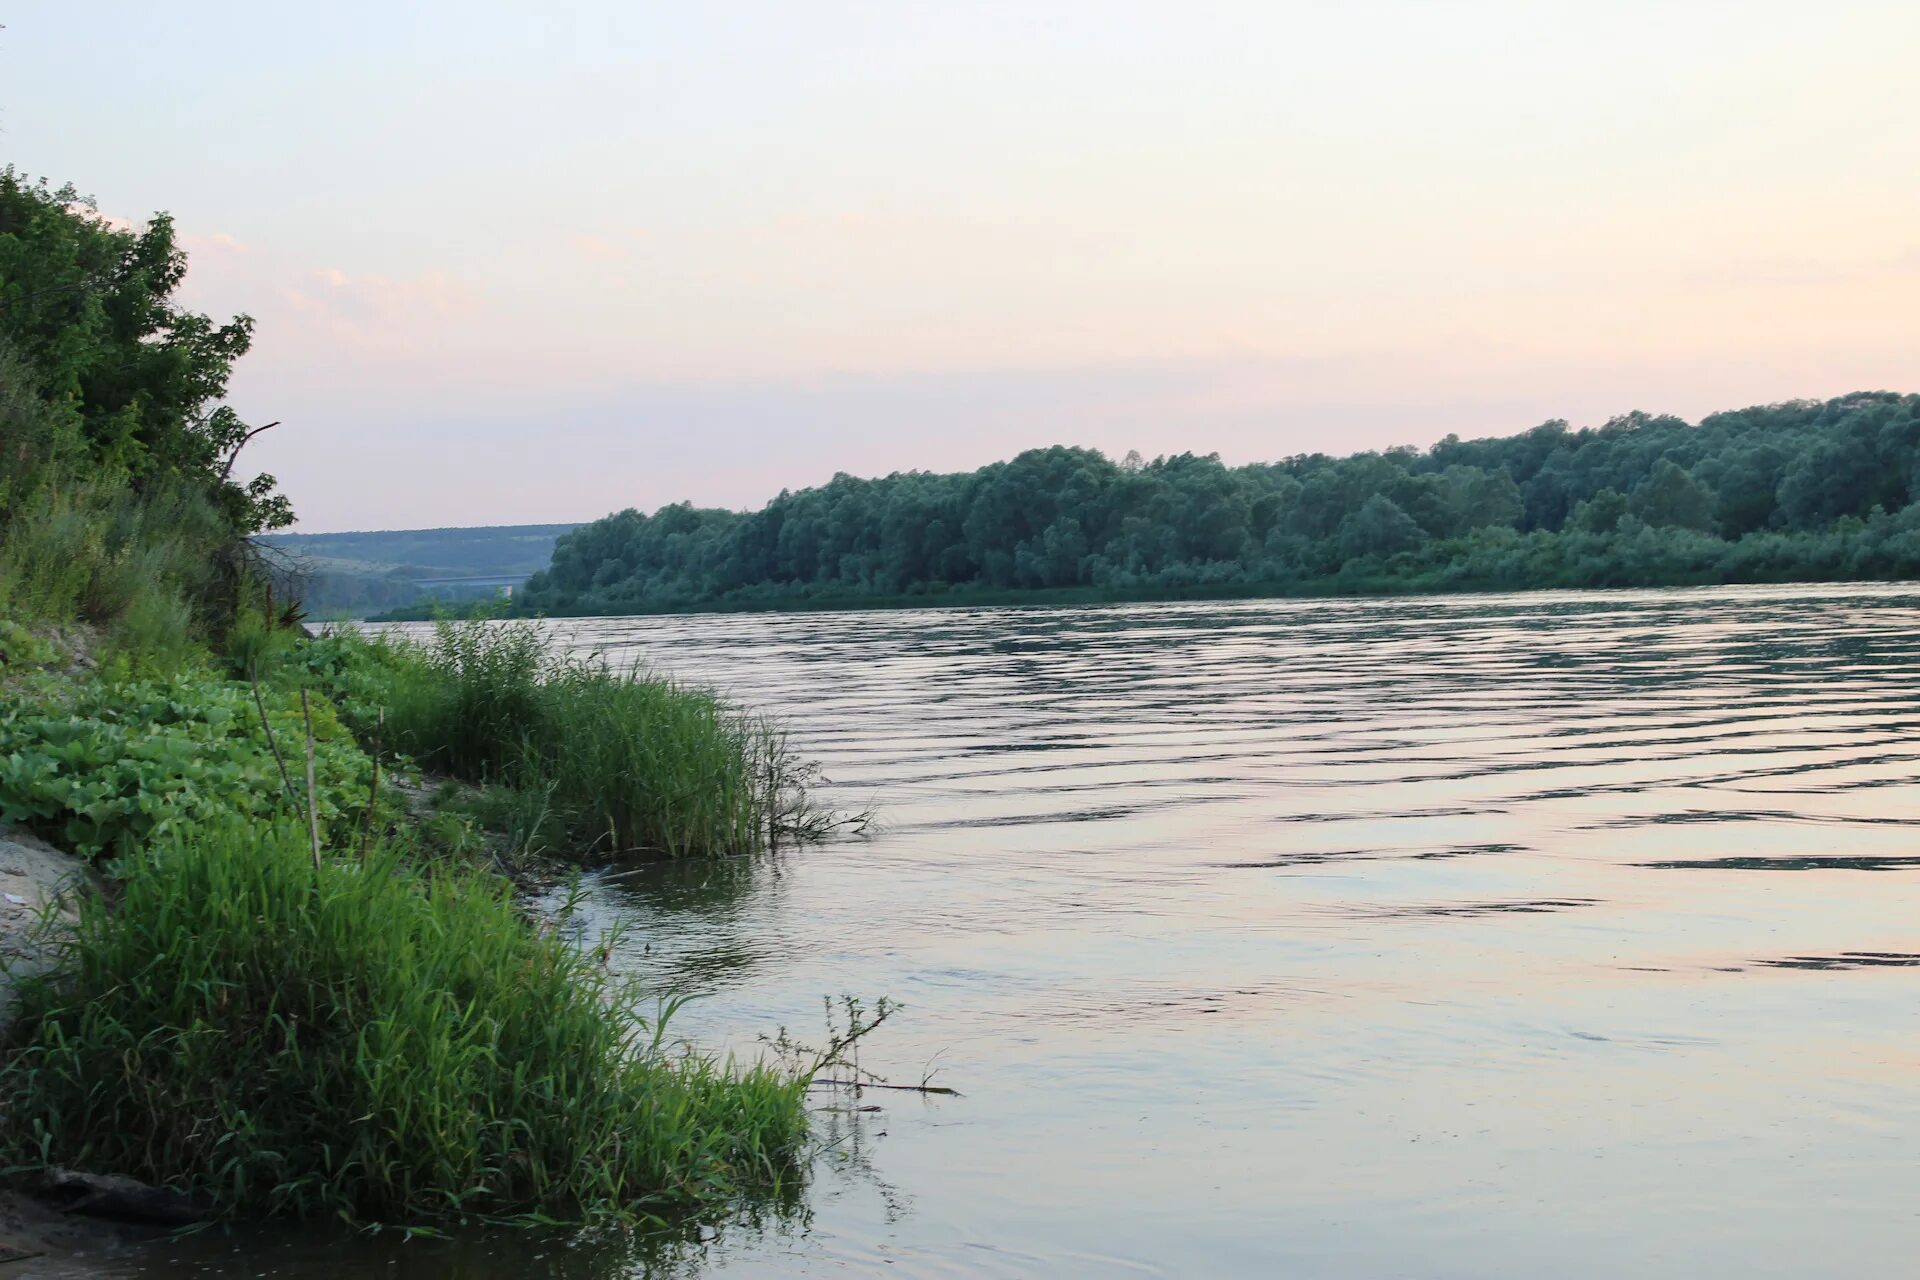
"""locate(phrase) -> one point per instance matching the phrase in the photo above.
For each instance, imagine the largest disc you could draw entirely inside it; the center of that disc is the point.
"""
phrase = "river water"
(1482, 936)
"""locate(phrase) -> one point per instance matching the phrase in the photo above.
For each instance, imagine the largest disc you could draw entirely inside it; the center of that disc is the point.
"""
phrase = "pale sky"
(523, 263)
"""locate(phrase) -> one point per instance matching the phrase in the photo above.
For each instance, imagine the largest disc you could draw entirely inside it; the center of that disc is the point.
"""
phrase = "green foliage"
(256, 645)
(22, 650)
(129, 380)
(158, 572)
(361, 1040)
(117, 505)
(152, 636)
(1763, 494)
(509, 822)
(108, 768)
(1672, 497)
(34, 436)
(616, 763)
(1379, 528)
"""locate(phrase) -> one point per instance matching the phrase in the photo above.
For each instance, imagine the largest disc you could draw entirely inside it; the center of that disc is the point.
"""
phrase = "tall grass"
(626, 764)
(648, 765)
(145, 567)
(362, 1040)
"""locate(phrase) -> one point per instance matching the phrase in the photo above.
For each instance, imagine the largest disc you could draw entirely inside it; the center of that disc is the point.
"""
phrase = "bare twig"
(373, 790)
(313, 810)
(286, 779)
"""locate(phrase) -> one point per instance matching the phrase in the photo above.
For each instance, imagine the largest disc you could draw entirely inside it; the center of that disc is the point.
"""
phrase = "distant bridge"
(505, 581)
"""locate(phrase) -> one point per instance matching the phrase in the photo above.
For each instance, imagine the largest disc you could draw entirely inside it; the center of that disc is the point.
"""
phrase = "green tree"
(1601, 513)
(1379, 528)
(1671, 497)
(132, 380)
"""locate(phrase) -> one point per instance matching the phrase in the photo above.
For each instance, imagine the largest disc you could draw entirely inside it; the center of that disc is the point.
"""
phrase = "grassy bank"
(360, 1039)
(363, 1027)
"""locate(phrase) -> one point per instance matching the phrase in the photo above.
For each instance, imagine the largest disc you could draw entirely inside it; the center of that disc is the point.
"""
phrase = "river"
(1560, 934)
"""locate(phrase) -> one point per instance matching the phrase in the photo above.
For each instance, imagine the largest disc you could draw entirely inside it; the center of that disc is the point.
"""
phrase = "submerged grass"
(365, 1040)
(622, 764)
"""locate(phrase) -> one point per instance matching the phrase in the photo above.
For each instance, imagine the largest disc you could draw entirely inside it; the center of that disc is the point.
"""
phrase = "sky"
(516, 263)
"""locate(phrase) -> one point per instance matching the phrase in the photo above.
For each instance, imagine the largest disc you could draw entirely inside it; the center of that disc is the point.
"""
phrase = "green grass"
(154, 571)
(364, 1040)
(621, 764)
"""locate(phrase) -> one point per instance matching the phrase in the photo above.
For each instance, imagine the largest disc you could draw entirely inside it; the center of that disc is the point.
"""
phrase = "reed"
(364, 1040)
(624, 764)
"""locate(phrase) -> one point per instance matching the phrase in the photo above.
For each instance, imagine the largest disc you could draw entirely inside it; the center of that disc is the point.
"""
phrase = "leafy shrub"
(362, 1040)
(106, 768)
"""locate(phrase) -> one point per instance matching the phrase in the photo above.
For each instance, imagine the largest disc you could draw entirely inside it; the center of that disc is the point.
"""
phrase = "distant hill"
(339, 574)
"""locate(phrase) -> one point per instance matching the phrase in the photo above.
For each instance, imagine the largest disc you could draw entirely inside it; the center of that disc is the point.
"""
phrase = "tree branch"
(228, 469)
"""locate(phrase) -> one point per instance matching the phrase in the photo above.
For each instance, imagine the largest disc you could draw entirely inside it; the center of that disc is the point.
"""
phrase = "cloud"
(212, 242)
(607, 247)
(376, 312)
(596, 248)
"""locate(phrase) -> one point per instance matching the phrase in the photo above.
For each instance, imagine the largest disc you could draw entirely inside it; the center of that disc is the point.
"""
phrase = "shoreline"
(1090, 597)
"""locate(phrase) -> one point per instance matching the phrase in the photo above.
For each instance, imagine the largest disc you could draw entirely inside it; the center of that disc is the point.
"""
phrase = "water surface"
(1493, 936)
(1558, 934)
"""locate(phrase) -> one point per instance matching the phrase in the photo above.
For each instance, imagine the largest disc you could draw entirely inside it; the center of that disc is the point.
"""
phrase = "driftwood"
(876, 1084)
(124, 1199)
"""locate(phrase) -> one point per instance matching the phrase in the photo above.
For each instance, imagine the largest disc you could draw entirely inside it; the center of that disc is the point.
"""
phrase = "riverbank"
(296, 995)
(271, 834)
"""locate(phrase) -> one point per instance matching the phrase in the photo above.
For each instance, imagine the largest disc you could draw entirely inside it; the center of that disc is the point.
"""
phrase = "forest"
(1798, 491)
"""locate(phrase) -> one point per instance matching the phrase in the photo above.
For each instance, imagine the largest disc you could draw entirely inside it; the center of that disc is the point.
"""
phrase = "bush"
(359, 1039)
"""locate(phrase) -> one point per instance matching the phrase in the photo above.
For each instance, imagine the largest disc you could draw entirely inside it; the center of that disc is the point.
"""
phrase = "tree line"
(1804, 490)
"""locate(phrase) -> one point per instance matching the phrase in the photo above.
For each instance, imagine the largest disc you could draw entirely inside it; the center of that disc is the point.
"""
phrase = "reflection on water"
(1847, 960)
(1333, 938)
